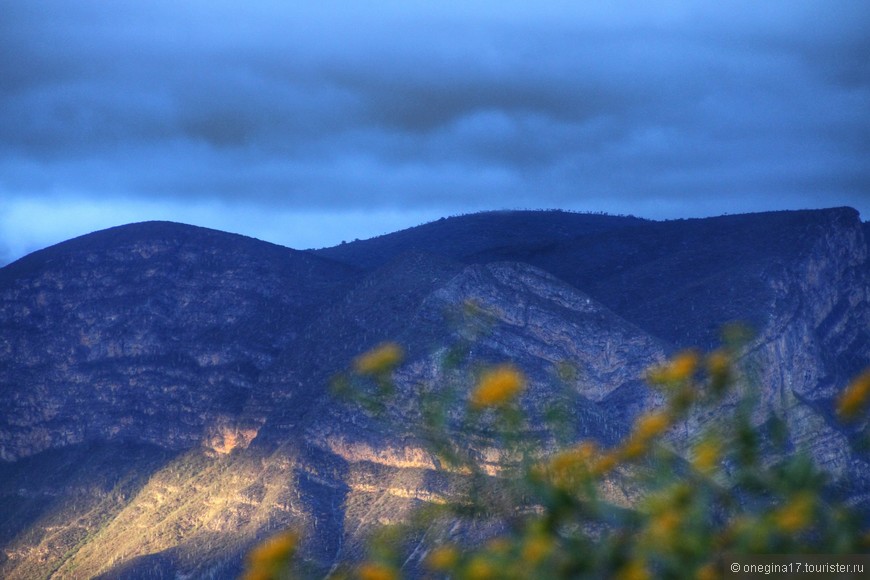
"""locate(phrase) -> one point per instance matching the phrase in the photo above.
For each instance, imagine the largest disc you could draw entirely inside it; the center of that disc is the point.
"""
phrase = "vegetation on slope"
(734, 487)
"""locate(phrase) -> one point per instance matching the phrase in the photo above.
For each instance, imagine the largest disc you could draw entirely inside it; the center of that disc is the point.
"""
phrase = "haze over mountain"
(165, 387)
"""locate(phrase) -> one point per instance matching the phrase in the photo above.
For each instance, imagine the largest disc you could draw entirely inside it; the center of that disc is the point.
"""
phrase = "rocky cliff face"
(816, 339)
(165, 386)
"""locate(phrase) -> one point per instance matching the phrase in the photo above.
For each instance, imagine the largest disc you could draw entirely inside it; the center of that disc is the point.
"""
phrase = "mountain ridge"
(204, 360)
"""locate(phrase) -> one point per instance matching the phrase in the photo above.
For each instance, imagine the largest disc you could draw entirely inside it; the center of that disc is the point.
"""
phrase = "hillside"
(166, 386)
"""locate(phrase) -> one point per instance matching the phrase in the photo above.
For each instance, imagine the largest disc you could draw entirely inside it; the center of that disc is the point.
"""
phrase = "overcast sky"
(308, 125)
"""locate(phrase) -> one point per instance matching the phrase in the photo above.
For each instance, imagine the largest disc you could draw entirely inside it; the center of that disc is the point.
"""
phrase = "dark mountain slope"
(378, 308)
(101, 335)
(680, 280)
(463, 237)
(683, 280)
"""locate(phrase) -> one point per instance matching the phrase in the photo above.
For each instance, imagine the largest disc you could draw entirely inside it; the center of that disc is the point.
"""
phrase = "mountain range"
(166, 387)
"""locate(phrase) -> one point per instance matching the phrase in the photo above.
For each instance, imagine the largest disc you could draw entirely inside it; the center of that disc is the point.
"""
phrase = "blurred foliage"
(271, 558)
(735, 487)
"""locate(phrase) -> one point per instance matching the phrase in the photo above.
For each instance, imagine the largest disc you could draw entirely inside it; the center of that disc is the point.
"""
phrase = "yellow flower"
(707, 454)
(718, 364)
(651, 425)
(683, 365)
(680, 368)
(498, 545)
(537, 548)
(442, 558)
(268, 557)
(663, 526)
(605, 463)
(375, 571)
(381, 359)
(633, 448)
(480, 569)
(796, 515)
(634, 570)
(855, 396)
(719, 370)
(498, 386)
(646, 428)
(572, 463)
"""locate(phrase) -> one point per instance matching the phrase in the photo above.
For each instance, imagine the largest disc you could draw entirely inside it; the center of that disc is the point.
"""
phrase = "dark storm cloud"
(436, 105)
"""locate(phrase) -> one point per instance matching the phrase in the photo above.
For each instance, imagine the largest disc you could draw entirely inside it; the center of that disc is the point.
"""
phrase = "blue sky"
(306, 126)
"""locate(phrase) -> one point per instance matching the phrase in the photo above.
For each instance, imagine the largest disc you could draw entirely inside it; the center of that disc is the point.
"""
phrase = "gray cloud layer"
(426, 105)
